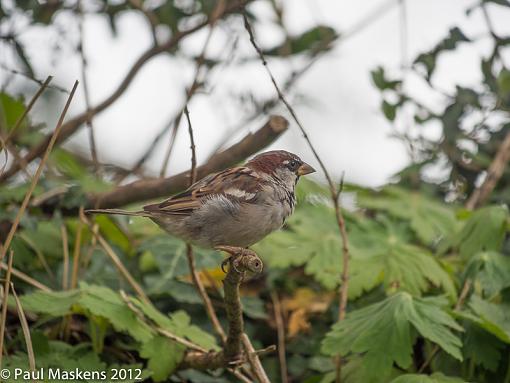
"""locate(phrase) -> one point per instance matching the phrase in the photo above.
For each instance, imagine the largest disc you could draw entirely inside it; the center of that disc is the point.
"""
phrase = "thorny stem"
(332, 187)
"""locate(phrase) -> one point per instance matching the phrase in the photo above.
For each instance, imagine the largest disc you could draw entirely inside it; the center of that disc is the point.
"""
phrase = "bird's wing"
(242, 184)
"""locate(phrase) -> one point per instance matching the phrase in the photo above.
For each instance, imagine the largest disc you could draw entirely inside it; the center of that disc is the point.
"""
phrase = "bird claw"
(233, 260)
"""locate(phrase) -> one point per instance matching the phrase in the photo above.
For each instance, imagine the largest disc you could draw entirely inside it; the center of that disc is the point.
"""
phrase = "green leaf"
(163, 356)
(482, 347)
(490, 270)
(106, 303)
(383, 333)
(381, 252)
(449, 43)
(380, 81)
(430, 220)
(494, 318)
(179, 324)
(484, 231)
(11, 110)
(312, 41)
(389, 110)
(436, 377)
(54, 303)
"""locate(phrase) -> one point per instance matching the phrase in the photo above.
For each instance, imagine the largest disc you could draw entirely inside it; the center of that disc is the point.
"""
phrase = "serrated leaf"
(163, 356)
(484, 231)
(494, 318)
(54, 303)
(383, 333)
(106, 303)
(178, 323)
(429, 219)
(490, 270)
(482, 347)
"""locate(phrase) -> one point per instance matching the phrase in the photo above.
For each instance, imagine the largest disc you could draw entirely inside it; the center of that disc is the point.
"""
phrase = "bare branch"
(217, 12)
(73, 125)
(86, 93)
(154, 188)
(280, 328)
(332, 187)
(193, 170)
(5, 297)
(494, 173)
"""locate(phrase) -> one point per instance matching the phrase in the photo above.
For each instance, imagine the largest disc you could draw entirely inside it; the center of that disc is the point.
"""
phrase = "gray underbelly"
(208, 228)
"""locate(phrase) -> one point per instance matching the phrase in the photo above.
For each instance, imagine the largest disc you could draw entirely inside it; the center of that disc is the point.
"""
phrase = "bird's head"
(280, 164)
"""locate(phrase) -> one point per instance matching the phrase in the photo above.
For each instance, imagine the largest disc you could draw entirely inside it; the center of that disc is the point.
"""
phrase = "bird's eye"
(293, 164)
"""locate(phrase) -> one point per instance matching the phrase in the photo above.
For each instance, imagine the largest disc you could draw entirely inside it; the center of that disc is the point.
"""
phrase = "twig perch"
(231, 354)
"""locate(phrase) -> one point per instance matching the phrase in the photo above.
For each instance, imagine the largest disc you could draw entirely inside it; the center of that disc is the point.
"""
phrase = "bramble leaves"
(383, 332)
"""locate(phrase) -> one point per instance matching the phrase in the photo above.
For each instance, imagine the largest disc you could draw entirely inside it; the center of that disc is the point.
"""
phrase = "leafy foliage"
(412, 246)
(383, 333)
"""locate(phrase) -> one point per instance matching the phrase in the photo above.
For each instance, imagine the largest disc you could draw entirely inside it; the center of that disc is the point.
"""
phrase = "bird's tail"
(140, 213)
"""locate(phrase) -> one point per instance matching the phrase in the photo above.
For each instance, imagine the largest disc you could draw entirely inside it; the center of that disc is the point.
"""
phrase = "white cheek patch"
(239, 193)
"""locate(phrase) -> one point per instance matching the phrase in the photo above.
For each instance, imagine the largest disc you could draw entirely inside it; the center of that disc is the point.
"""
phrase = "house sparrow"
(235, 207)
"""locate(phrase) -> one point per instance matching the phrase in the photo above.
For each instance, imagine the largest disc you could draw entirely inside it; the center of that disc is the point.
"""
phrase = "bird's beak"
(305, 169)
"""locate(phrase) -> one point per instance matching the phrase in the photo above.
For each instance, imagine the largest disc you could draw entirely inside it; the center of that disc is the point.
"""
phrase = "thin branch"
(280, 328)
(494, 173)
(38, 173)
(159, 330)
(29, 107)
(3, 318)
(26, 330)
(492, 31)
(116, 261)
(254, 360)
(151, 17)
(332, 187)
(86, 93)
(154, 188)
(193, 170)
(458, 305)
(203, 294)
(216, 14)
(77, 252)
(73, 125)
(37, 81)
(65, 251)
(25, 278)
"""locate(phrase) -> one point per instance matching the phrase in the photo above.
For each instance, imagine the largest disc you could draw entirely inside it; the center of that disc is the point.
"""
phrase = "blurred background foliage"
(429, 279)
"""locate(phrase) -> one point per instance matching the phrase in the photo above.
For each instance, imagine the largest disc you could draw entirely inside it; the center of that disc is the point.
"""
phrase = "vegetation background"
(408, 282)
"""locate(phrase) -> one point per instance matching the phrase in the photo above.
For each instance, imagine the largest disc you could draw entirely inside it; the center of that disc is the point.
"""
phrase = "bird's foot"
(233, 259)
(240, 260)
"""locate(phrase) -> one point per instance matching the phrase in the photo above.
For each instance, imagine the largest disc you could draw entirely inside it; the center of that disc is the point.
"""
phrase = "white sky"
(342, 114)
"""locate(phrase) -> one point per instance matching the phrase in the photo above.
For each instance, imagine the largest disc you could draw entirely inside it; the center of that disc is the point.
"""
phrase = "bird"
(236, 207)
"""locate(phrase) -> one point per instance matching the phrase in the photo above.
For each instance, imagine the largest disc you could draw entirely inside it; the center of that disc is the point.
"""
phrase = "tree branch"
(70, 127)
(232, 350)
(494, 173)
(335, 194)
(154, 188)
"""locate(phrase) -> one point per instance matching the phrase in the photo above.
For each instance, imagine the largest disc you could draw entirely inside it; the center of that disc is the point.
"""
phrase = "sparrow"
(236, 207)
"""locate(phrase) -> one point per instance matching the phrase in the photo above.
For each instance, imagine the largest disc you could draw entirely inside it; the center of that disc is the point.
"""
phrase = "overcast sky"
(342, 111)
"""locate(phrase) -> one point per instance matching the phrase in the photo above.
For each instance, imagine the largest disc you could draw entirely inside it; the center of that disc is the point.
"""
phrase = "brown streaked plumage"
(236, 207)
